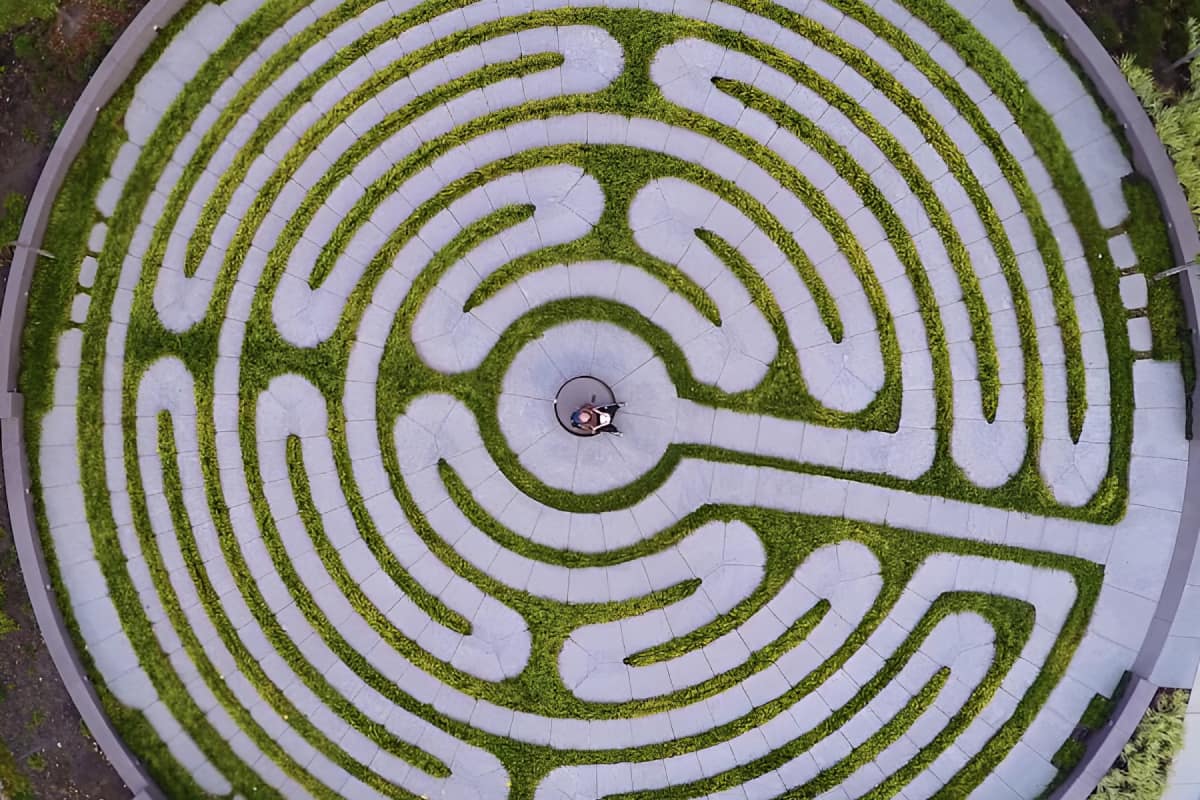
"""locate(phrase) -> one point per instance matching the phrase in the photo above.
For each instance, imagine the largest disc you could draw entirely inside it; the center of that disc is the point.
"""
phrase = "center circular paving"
(900, 478)
(637, 377)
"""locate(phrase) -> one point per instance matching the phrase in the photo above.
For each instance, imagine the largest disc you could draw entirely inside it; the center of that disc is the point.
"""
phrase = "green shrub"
(1107, 31)
(24, 47)
(1146, 38)
(12, 213)
(1176, 116)
(1141, 771)
(16, 13)
(13, 785)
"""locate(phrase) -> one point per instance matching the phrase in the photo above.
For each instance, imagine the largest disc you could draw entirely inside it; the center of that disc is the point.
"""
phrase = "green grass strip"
(607, 165)
(1039, 127)
(328, 251)
(186, 108)
(250, 667)
(898, 235)
(992, 607)
(364, 146)
(1055, 666)
(865, 753)
(673, 648)
(325, 72)
(169, 685)
(71, 218)
(902, 243)
(998, 73)
(1013, 624)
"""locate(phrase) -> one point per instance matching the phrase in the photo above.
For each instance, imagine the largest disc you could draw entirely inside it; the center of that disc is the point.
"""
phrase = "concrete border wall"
(112, 73)
(1104, 746)
(1149, 159)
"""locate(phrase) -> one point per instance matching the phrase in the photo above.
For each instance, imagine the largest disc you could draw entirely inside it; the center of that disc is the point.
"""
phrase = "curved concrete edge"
(1103, 749)
(1167, 657)
(50, 620)
(108, 78)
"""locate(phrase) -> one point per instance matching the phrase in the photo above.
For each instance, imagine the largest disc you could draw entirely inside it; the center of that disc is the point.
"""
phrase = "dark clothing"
(596, 419)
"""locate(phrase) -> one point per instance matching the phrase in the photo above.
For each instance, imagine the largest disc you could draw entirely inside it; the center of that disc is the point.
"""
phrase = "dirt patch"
(47, 744)
(1153, 31)
(43, 68)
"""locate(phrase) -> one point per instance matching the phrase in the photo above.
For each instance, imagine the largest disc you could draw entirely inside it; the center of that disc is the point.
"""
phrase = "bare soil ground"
(43, 69)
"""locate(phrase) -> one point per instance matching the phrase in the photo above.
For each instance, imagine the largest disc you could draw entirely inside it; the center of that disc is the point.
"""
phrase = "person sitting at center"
(596, 419)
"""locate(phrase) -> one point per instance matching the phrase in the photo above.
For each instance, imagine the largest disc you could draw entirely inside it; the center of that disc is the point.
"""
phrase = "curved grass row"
(881, 419)
(928, 126)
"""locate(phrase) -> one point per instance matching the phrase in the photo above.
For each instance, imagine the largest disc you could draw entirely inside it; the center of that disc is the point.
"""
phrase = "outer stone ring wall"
(901, 477)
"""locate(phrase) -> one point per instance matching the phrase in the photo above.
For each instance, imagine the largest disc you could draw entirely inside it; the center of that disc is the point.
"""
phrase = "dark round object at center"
(576, 392)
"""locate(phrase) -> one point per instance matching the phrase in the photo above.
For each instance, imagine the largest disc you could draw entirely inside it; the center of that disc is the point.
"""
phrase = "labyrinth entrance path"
(903, 454)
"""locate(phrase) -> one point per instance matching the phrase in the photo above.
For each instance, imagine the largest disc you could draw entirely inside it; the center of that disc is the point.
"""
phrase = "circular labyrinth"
(902, 461)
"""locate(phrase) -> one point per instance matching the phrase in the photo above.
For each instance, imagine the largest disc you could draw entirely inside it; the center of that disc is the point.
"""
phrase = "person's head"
(581, 416)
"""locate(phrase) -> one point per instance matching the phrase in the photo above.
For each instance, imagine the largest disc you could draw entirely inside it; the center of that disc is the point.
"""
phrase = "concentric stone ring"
(903, 461)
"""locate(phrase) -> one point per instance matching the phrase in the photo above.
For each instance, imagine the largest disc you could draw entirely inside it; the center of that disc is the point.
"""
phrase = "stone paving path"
(898, 482)
(1184, 777)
